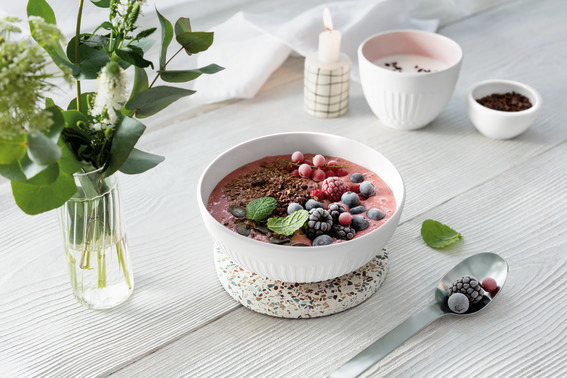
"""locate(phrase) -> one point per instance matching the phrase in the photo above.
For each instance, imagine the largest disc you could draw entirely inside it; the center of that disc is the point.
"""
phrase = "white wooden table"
(507, 197)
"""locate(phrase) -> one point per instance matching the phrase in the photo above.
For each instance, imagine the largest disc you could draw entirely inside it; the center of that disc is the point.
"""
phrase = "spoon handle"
(387, 343)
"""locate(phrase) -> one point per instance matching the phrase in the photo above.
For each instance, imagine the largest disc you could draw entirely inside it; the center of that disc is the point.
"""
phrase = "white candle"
(329, 40)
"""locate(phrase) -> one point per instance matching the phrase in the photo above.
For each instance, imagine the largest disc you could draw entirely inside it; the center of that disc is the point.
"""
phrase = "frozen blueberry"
(357, 178)
(375, 214)
(312, 204)
(458, 303)
(350, 199)
(357, 210)
(293, 207)
(367, 189)
(322, 240)
(359, 223)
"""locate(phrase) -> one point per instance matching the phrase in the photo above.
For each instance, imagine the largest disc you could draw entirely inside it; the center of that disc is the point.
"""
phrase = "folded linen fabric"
(252, 46)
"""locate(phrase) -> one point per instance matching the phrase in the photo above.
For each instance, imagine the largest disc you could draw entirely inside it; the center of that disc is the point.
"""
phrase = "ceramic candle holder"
(408, 99)
(326, 86)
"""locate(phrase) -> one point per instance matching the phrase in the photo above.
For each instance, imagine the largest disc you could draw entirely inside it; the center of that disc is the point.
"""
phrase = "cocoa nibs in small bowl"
(507, 102)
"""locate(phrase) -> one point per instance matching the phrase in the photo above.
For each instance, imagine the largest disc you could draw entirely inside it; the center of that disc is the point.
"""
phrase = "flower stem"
(165, 65)
(77, 54)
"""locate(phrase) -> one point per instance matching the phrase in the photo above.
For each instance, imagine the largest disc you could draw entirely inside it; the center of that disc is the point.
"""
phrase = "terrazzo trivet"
(300, 300)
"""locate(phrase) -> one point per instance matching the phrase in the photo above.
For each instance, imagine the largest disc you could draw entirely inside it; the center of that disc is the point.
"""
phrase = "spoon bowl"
(480, 266)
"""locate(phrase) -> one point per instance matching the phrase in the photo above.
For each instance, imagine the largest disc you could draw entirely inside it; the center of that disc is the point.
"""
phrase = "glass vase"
(95, 244)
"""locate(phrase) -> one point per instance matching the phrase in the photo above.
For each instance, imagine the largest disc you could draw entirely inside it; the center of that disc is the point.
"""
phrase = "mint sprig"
(438, 235)
(288, 225)
(260, 208)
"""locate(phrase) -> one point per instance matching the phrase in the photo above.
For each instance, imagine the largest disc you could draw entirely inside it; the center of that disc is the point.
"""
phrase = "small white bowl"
(300, 264)
(498, 124)
(406, 100)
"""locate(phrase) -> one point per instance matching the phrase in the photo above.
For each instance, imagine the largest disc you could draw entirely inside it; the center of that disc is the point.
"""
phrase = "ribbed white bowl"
(300, 264)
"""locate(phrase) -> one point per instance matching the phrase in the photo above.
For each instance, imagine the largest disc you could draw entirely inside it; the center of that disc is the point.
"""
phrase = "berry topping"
(322, 240)
(489, 284)
(342, 172)
(332, 163)
(295, 172)
(357, 210)
(355, 188)
(350, 199)
(319, 175)
(305, 170)
(458, 303)
(357, 178)
(297, 157)
(330, 173)
(319, 222)
(312, 204)
(375, 214)
(318, 194)
(360, 223)
(468, 286)
(336, 209)
(334, 187)
(293, 207)
(345, 219)
(367, 189)
(319, 160)
(343, 232)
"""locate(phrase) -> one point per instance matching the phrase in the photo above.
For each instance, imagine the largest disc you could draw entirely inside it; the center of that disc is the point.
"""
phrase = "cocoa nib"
(507, 102)
(269, 180)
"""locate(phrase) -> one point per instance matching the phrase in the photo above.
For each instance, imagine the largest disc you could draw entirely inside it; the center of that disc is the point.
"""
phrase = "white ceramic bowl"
(498, 124)
(300, 264)
(408, 100)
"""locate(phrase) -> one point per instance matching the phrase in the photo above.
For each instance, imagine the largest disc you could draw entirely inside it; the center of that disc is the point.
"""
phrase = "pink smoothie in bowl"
(342, 200)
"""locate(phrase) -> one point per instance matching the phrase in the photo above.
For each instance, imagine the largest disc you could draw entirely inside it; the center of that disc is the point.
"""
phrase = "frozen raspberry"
(318, 194)
(305, 170)
(334, 187)
(342, 172)
(297, 157)
(319, 175)
(319, 161)
(489, 284)
(345, 219)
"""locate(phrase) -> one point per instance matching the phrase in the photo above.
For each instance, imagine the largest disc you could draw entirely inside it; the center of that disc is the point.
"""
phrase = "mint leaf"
(438, 235)
(260, 208)
(288, 225)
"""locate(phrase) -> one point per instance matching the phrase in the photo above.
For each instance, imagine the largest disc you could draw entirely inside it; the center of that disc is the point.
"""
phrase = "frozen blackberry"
(468, 286)
(319, 223)
(343, 232)
(336, 209)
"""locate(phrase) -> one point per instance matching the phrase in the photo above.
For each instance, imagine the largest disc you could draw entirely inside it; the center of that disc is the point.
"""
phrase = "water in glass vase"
(106, 279)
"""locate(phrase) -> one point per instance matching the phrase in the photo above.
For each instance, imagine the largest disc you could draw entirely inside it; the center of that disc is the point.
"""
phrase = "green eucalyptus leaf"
(85, 99)
(35, 199)
(101, 3)
(12, 149)
(188, 75)
(68, 162)
(30, 168)
(58, 123)
(41, 8)
(92, 57)
(166, 37)
(145, 33)
(125, 138)
(46, 176)
(134, 55)
(194, 42)
(140, 81)
(140, 161)
(153, 100)
(49, 102)
(13, 171)
(73, 116)
(41, 149)
(183, 25)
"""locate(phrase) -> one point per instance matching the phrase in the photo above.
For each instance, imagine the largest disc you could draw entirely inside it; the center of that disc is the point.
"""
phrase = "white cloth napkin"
(252, 46)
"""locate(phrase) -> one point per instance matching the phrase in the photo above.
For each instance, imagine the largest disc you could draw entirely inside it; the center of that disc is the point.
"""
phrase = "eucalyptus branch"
(77, 54)
(165, 65)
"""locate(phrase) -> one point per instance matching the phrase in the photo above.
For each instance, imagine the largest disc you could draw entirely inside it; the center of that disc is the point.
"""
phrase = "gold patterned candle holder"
(326, 86)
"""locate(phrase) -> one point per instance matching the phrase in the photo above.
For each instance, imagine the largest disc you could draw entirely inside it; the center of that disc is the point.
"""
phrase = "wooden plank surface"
(180, 321)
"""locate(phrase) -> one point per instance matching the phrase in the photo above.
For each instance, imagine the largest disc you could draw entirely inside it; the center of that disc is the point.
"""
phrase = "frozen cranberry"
(297, 157)
(319, 160)
(332, 163)
(330, 173)
(319, 175)
(489, 284)
(305, 170)
(345, 219)
(295, 172)
(318, 194)
(342, 172)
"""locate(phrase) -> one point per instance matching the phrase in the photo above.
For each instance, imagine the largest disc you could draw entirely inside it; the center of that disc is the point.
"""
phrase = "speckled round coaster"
(300, 300)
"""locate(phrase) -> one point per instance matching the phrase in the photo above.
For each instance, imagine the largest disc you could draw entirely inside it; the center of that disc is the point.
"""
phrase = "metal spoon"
(481, 266)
